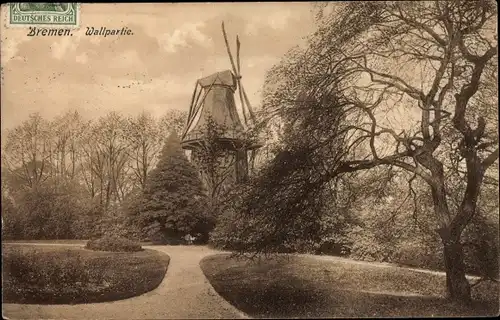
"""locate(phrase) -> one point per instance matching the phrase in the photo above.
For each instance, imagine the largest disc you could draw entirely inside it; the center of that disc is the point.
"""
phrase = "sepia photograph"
(232, 160)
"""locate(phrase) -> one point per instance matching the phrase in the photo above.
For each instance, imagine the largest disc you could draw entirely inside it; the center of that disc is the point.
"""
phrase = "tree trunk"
(457, 285)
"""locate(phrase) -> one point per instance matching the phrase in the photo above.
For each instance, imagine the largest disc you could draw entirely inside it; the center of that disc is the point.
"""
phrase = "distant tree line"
(73, 178)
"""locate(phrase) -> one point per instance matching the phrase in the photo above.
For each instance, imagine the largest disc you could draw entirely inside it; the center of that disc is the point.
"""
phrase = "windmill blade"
(228, 49)
(242, 105)
(198, 105)
(238, 55)
(249, 106)
(191, 110)
(192, 100)
(238, 65)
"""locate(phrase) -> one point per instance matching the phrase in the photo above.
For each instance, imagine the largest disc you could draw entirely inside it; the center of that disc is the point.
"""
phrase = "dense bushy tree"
(11, 224)
(173, 203)
(45, 212)
(289, 205)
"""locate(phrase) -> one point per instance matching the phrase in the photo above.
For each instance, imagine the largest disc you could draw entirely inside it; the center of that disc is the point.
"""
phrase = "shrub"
(11, 223)
(113, 243)
(49, 210)
(419, 253)
(481, 247)
(424, 250)
(366, 246)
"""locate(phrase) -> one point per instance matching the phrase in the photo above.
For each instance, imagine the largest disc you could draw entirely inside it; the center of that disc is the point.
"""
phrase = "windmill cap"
(222, 78)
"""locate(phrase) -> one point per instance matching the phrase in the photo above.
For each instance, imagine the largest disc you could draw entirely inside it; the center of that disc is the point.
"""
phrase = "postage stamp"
(44, 14)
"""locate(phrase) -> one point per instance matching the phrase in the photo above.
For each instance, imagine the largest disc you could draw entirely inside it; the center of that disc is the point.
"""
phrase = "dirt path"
(383, 265)
(184, 293)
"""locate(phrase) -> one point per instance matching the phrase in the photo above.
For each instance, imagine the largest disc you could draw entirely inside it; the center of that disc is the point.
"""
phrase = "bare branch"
(490, 159)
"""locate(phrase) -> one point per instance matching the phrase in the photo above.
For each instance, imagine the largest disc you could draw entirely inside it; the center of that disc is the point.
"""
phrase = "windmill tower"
(213, 104)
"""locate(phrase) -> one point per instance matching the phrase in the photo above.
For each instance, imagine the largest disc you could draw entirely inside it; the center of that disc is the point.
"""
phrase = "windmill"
(213, 101)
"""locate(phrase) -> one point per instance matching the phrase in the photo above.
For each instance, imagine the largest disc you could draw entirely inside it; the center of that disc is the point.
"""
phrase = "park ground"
(184, 293)
(204, 283)
(308, 286)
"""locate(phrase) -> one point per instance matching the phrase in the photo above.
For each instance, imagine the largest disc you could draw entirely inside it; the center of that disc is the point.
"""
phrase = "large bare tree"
(146, 136)
(106, 157)
(415, 84)
(68, 132)
(26, 154)
(144, 144)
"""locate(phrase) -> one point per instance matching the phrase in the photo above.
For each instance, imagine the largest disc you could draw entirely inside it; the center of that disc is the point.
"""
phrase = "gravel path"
(184, 293)
(383, 265)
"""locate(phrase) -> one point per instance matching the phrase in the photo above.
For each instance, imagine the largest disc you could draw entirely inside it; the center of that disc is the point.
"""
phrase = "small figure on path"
(189, 238)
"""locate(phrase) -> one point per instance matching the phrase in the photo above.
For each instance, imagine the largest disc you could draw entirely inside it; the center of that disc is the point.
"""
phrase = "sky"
(153, 70)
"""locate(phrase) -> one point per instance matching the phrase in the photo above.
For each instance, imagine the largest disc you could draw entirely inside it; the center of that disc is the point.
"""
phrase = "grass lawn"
(69, 275)
(71, 241)
(82, 242)
(303, 286)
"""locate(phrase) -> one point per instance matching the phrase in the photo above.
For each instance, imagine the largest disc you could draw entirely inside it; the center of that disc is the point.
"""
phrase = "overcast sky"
(154, 69)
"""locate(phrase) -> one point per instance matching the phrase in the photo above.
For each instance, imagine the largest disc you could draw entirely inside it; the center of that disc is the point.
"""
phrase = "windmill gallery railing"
(200, 135)
(230, 136)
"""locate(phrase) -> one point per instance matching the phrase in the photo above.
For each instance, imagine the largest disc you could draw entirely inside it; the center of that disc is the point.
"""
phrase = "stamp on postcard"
(44, 14)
